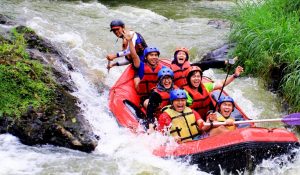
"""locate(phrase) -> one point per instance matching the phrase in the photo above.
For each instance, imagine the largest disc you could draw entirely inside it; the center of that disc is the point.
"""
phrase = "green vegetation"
(267, 36)
(23, 82)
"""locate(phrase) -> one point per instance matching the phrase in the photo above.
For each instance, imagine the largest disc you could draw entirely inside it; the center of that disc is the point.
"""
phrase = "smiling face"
(179, 104)
(152, 58)
(166, 82)
(226, 109)
(118, 31)
(195, 79)
(181, 57)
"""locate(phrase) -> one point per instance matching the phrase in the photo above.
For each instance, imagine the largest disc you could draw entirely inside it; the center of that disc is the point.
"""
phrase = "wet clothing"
(221, 118)
(139, 44)
(202, 102)
(182, 124)
(180, 73)
(149, 79)
(158, 99)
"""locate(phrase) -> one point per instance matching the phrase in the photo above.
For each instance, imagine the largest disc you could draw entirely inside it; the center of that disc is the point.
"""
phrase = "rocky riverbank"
(59, 122)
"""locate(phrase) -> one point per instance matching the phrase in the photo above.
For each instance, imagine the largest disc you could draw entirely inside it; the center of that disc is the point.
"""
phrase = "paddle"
(108, 66)
(228, 70)
(291, 119)
(109, 61)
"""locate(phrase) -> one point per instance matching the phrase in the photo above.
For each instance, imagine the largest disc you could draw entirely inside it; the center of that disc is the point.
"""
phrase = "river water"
(81, 31)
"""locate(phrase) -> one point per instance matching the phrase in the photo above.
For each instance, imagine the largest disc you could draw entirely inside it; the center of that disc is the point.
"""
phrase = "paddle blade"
(292, 119)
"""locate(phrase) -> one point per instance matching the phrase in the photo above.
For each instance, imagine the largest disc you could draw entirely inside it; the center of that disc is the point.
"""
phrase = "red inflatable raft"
(241, 149)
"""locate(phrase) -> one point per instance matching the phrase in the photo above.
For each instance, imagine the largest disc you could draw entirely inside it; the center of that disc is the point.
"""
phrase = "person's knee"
(145, 104)
(136, 82)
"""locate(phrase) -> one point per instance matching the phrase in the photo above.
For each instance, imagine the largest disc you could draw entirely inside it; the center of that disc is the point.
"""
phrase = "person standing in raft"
(198, 92)
(147, 77)
(182, 122)
(160, 95)
(180, 65)
(118, 27)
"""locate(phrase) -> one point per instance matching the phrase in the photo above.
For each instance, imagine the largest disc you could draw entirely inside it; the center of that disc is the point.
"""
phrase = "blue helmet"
(116, 23)
(149, 50)
(165, 71)
(177, 94)
(225, 99)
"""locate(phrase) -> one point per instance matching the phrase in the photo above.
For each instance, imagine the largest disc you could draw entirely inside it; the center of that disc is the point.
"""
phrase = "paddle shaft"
(108, 61)
(246, 121)
(215, 107)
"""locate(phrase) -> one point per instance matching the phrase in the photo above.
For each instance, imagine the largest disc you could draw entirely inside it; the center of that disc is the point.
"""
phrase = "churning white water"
(81, 31)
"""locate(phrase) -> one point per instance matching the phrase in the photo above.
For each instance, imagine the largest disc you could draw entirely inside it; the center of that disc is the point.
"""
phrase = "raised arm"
(134, 56)
(238, 71)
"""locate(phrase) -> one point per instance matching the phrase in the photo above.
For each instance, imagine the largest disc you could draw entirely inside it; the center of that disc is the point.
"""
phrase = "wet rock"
(62, 122)
(44, 51)
(219, 53)
(6, 20)
(276, 75)
(219, 24)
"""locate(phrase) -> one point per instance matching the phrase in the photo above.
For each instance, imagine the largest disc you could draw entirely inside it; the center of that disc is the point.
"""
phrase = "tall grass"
(267, 36)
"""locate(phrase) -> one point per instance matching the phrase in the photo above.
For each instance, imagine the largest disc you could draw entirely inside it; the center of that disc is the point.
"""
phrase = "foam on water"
(84, 36)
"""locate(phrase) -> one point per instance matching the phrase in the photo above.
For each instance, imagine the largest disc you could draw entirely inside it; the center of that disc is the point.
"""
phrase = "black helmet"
(116, 23)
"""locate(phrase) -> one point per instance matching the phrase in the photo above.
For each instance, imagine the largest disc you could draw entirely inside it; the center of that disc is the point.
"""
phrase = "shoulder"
(209, 86)
(197, 115)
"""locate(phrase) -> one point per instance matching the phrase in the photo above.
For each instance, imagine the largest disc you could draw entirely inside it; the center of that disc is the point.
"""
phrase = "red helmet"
(190, 73)
(193, 69)
(184, 49)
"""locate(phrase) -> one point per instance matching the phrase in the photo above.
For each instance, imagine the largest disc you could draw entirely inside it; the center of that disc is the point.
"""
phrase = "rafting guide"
(118, 27)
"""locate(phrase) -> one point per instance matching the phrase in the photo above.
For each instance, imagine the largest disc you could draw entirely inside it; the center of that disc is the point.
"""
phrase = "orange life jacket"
(201, 102)
(180, 74)
(149, 80)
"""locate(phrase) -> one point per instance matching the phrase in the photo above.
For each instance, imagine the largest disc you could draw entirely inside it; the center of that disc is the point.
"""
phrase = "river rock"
(62, 122)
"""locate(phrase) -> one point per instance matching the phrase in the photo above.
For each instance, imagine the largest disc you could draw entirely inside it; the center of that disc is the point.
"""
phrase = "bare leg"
(145, 104)
(136, 82)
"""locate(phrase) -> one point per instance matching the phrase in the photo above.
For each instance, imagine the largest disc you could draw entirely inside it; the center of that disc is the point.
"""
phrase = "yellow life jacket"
(221, 118)
(183, 124)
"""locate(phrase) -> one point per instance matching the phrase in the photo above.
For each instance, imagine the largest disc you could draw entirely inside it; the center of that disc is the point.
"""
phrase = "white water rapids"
(81, 31)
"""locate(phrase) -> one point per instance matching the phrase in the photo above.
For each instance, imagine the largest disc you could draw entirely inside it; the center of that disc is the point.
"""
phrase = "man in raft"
(183, 123)
(225, 108)
(160, 95)
(147, 77)
(117, 27)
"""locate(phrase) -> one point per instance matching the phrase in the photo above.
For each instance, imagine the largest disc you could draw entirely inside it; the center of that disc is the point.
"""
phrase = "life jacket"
(201, 102)
(149, 80)
(165, 100)
(180, 73)
(140, 45)
(183, 124)
(221, 118)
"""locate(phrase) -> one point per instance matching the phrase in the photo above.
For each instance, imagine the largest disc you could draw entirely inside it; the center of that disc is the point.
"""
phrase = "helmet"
(165, 71)
(177, 94)
(193, 69)
(190, 73)
(184, 49)
(149, 50)
(116, 23)
(225, 99)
